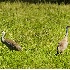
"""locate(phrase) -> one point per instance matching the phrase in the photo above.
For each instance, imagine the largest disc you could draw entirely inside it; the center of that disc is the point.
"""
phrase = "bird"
(12, 45)
(62, 45)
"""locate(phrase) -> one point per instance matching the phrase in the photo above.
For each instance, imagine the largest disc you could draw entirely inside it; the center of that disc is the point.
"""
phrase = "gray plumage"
(12, 45)
(62, 45)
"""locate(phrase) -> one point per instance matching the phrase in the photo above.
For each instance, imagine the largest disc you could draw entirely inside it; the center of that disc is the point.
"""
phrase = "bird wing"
(13, 44)
(63, 43)
(10, 42)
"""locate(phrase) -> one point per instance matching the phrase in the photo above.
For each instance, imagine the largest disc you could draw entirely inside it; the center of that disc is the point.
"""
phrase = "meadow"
(37, 28)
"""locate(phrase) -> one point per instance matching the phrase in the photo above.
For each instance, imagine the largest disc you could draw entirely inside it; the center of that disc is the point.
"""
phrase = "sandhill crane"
(62, 45)
(12, 45)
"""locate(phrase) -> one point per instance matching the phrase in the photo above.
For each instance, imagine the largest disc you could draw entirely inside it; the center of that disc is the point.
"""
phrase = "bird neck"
(2, 38)
(66, 31)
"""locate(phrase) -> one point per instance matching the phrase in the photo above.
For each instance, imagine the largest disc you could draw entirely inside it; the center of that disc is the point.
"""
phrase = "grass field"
(37, 28)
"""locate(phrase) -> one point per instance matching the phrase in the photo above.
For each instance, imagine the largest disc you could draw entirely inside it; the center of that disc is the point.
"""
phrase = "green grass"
(37, 28)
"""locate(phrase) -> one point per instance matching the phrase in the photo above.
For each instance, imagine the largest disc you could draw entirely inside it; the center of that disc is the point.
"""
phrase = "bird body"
(62, 45)
(10, 43)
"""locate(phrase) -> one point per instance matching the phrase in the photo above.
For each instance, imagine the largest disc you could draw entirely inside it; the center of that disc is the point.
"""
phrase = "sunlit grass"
(37, 28)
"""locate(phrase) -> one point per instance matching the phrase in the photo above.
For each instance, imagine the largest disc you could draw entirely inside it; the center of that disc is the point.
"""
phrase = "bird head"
(67, 26)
